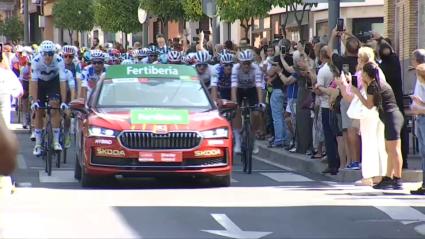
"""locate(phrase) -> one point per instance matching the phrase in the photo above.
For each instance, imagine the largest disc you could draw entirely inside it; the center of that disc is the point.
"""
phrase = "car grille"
(152, 141)
(132, 163)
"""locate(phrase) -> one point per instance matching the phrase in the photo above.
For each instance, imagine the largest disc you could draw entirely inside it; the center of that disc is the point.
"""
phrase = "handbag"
(357, 110)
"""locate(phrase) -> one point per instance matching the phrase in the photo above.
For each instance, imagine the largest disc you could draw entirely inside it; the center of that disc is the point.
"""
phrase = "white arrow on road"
(232, 230)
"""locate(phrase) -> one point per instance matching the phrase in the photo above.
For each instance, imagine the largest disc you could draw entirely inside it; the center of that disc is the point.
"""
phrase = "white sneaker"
(255, 149)
(32, 137)
(57, 146)
(37, 150)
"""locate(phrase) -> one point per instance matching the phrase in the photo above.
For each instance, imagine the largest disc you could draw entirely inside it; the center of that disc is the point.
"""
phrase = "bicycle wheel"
(245, 146)
(250, 147)
(58, 153)
(49, 148)
(66, 132)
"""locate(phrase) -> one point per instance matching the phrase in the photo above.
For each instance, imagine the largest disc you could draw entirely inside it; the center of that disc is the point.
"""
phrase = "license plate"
(160, 157)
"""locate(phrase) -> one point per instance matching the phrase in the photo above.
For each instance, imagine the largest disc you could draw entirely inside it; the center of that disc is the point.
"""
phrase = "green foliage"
(12, 28)
(75, 15)
(166, 10)
(232, 10)
(117, 15)
(192, 9)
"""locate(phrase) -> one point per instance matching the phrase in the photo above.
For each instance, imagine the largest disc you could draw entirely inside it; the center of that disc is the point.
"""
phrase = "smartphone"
(346, 68)
(283, 50)
(1, 52)
(354, 81)
(198, 31)
(340, 25)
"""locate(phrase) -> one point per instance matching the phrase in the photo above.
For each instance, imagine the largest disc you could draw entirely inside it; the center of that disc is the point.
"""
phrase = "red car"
(151, 120)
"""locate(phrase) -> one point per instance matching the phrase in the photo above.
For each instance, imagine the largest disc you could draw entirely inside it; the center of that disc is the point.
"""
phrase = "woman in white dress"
(374, 156)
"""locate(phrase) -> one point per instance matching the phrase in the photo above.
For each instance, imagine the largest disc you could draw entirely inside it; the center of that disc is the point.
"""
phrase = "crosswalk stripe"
(287, 177)
(63, 176)
(234, 180)
(272, 163)
(22, 164)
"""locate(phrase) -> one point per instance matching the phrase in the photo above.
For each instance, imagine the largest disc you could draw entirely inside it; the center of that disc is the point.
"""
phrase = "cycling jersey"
(247, 80)
(42, 72)
(70, 79)
(90, 78)
(75, 70)
(207, 76)
(219, 79)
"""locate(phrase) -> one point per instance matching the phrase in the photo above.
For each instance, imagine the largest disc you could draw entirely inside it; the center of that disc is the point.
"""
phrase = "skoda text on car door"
(151, 120)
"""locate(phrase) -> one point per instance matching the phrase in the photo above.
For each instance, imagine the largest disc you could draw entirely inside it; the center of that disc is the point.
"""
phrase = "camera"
(340, 25)
(283, 49)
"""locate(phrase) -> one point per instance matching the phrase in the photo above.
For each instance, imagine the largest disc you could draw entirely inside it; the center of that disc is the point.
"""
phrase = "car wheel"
(77, 168)
(221, 181)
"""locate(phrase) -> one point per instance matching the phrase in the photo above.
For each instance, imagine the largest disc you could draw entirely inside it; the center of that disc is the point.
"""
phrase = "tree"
(165, 10)
(299, 15)
(13, 29)
(75, 15)
(117, 15)
(243, 10)
(192, 10)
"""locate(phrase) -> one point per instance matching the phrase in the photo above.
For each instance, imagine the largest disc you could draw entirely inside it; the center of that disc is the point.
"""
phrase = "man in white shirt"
(418, 108)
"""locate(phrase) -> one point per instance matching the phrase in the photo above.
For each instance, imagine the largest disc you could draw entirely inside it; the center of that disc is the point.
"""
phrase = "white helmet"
(127, 62)
(202, 57)
(174, 56)
(47, 46)
(246, 55)
(69, 50)
(27, 49)
(226, 58)
(97, 55)
(19, 48)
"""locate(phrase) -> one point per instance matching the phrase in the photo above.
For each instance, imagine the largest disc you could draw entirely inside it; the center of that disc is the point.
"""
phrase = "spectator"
(228, 46)
(380, 95)
(390, 65)
(350, 127)
(324, 80)
(418, 107)
(95, 43)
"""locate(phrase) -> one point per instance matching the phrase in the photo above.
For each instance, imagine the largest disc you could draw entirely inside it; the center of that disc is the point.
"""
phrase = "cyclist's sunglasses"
(49, 53)
(228, 65)
(202, 65)
(246, 63)
(97, 62)
(68, 56)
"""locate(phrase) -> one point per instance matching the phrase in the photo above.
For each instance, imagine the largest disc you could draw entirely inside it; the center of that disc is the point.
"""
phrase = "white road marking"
(24, 184)
(232, 230)
(57, 177)
(272, 163)
(234, 180)
(22, 164)
(287, 177)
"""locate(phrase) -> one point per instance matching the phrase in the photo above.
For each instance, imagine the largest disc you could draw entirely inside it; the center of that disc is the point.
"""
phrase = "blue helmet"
(202, 57)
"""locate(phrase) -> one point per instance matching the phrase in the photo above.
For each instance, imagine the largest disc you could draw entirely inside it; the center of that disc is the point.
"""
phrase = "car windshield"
(153, 92)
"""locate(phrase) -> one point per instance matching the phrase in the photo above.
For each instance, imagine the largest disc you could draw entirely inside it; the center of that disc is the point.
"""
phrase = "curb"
(304, 163)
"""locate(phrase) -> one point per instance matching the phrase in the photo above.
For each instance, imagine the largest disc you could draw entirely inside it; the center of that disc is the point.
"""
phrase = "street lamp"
(209, 7)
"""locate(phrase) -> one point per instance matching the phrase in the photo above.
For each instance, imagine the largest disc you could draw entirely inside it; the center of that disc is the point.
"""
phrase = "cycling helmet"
(47, 46)
(19, 48)
(27, 49)
(127, 62)
(142, 53)
(125, 56)
(58, 47)
(174, 56)
(226, 58)
(153, 50)
(202, 57)
(68, 50)
(246, 55)
(98, 55)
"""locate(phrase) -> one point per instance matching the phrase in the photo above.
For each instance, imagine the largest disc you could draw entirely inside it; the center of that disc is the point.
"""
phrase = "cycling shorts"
(225, 93)
(48, 89)
(249, 93)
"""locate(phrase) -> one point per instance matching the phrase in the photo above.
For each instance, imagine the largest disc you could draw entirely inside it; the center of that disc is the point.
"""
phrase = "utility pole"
(334, 14)
(26, 23)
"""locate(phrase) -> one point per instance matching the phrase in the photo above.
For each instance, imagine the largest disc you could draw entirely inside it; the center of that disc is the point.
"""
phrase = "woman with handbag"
(381, 95)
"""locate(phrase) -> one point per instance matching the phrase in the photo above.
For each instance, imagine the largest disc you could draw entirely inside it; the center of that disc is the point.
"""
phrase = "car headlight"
(215, 133)
(102, 132)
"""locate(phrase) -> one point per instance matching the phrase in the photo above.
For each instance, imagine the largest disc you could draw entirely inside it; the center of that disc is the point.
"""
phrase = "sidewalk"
(304, 163)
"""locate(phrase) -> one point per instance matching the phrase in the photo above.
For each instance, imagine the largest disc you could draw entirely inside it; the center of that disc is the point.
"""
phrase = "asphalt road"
(273, 202)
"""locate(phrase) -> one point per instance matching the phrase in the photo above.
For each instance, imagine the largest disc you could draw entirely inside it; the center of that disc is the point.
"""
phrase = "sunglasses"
(202, 65)
(49, 53)
(68, 56)
(97, 62)
(246, 63)
(228, 65)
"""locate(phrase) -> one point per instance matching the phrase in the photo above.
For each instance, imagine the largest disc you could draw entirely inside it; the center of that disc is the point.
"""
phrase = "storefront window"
(322, 29)
(362, 27)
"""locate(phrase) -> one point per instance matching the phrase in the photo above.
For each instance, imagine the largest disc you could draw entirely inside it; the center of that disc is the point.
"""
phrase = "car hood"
(120, 119)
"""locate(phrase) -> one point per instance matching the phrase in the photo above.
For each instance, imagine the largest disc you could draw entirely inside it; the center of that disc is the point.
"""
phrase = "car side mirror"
(78, 105)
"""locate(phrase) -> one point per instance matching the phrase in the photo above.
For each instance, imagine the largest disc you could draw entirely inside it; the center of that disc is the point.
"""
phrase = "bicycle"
(247, 136)
(47, 141)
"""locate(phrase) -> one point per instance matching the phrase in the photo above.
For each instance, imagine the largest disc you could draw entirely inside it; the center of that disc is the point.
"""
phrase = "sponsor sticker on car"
(160, 157)
(159, 116)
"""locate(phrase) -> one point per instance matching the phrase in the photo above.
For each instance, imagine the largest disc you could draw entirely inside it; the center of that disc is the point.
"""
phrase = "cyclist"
(24, 77)
(91, 74)
(152, 56)
(114, 57)
(140, 54)
(246, 83)
(48, 79)
(222, 78)
(174, 57)
(202, 67)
